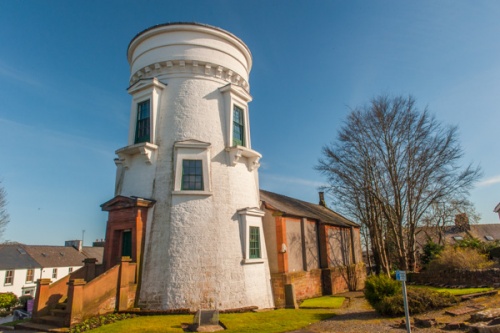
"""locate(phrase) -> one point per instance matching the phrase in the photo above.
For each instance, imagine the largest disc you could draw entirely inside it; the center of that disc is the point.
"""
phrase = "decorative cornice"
(237, 152)
(144, 149)
(194, 67)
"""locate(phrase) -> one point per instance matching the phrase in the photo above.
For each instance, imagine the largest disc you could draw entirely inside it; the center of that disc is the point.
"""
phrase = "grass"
(273, 321)
(324, 302)
(456, 291)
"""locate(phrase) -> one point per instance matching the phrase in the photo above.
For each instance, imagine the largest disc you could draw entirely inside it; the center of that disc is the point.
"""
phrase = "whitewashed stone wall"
(195, 247)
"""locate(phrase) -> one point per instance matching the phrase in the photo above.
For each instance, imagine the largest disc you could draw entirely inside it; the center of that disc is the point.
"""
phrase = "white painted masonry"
(196, 252)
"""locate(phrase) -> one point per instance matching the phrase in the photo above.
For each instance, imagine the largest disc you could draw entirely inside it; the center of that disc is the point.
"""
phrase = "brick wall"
(306, 284)
(473, 278)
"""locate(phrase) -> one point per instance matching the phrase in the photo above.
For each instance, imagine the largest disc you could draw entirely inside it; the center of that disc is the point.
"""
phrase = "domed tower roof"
(157, 47)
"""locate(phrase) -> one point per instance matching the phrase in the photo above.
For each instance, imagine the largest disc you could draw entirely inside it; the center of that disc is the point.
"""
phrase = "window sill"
(200, 193)
(125, 154)
(237, 152)
(252, 261)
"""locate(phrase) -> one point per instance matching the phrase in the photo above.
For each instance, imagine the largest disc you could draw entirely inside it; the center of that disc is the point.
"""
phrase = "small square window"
(70, 270)
(30, 275)
(192, 175)
(54, 273)
(9, 278)
(254, 243)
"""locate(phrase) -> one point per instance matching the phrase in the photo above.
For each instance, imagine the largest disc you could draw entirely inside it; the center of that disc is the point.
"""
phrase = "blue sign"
(401, 275)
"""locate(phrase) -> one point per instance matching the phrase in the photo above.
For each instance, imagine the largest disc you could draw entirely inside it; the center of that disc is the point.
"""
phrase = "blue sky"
(64, 108)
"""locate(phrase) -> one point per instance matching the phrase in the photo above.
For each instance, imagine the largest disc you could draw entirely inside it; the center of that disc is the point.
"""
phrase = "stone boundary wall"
(472, 278)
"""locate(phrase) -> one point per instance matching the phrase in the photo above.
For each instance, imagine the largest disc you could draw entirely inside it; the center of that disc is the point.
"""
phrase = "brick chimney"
(322, 199)
(462, 221)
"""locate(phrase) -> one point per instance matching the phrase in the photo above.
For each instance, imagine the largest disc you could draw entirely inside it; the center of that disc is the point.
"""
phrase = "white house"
(22, 265)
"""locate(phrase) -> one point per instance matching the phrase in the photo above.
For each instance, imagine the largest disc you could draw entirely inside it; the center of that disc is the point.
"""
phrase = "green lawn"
(456, 291)
(273, 321)
(325, 302)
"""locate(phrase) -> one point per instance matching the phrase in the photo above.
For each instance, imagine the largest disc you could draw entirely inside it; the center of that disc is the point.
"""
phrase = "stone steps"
(41, 327)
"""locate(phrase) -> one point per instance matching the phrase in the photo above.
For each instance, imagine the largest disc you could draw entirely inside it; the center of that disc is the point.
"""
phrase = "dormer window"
(143, 125)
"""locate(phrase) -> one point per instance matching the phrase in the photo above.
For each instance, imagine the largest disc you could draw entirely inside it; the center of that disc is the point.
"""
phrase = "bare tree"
(441, 215)
(389, 164)
(4, 215)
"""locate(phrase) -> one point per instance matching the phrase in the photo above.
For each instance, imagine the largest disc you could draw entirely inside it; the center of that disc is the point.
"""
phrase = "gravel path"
(357, 316)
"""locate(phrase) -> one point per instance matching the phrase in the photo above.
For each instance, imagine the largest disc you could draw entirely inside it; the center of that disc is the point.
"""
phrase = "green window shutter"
(254, 243)
(238, 127)
(142, 130)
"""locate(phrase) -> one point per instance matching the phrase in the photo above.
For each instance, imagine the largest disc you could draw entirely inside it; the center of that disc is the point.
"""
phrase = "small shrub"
(459, 258)
(98, 321)
(7, 300)
(378, 287)
(419, 300)
(431, 251)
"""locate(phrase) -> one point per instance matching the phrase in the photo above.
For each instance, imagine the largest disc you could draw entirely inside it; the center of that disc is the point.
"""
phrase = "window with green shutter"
(254, 243)
(238, 127)
(142, 129)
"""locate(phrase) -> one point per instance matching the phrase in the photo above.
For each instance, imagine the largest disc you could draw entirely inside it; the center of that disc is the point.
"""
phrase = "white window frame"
(54, 273)
(252, 217)
(32, 275)
(143, 90)
(5, 283)
(192, 150)
(234, 95)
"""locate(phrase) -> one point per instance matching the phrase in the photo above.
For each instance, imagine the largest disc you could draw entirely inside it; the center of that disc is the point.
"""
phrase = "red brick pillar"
(75, 301)
(124, 282)
(89, 264)
(281, 244)
(41, 298)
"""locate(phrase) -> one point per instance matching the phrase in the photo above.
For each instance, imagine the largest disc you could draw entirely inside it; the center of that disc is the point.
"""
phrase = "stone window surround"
(251, 217)
(192, 150)
(141, 91)
(234, 95)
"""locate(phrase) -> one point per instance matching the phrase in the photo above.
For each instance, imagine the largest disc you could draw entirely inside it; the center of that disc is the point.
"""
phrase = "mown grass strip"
(274, 321)
(324, 302)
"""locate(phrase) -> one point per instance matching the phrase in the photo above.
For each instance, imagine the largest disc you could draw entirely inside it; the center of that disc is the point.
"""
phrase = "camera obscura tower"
(187, 193)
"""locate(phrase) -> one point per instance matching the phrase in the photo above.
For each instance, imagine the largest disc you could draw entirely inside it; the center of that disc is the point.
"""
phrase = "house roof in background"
(21, 256)
(298, 208)
(14, 256)
(482, 232)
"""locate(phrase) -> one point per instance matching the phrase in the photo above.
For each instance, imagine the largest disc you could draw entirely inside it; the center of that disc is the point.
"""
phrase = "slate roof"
(14, 256)
(298, 208)
(21, 256)
(479, 231)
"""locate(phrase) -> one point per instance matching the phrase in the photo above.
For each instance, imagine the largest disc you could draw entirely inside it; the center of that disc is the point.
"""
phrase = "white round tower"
(189, 159)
